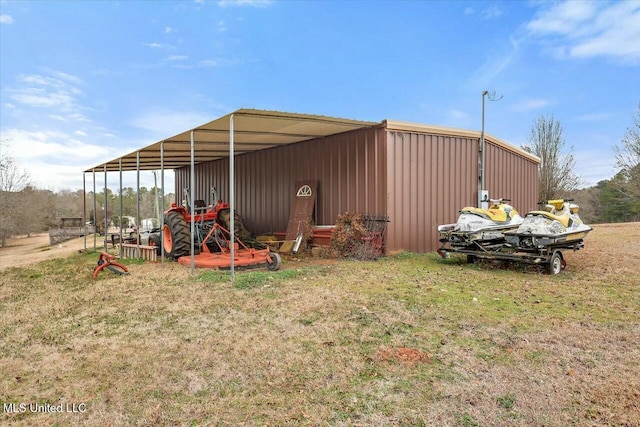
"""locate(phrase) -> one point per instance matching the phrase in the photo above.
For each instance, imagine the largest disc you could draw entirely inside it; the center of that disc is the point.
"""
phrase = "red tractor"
(176, 234)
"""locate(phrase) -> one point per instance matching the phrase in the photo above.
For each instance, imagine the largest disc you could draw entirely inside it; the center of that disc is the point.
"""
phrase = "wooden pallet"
(148, 253)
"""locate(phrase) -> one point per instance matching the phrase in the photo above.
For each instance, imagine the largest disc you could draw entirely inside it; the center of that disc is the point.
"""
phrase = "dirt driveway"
(23, 251)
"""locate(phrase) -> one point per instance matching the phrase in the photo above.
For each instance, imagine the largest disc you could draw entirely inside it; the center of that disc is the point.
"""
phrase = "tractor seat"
(199, 205)
(565, 220)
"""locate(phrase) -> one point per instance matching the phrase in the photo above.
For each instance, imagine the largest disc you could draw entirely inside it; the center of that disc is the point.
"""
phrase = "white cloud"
(531, 104)
(38, 97)
(469, 11)
(160, 124)
(153, 45)
(72, 117)
(496, 62)
(491, 12)
(593, 166)
(168, 30)
(52, 157)
(80, 133)
(6, 19)
(458, 115)
(593, 117)
(242, 3)
(176, 58)
(222, 26)
(221, 62)
(55, 160)
(48, 92)
(209, 63)
(578, 29)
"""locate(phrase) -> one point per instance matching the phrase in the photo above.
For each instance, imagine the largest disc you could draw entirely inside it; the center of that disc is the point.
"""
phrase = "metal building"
(418, 175)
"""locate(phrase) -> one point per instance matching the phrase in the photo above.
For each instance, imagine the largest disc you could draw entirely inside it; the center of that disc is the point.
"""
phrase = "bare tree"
(13, 180)
(628, 158)
(555, 174)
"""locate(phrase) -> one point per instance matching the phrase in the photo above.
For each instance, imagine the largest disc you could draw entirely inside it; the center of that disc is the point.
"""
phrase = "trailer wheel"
(275, 261)
(556, 263)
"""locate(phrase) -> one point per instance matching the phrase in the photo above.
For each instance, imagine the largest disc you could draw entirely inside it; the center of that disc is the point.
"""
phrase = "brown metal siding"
(350, 168)
(513, 177)
(431, 177)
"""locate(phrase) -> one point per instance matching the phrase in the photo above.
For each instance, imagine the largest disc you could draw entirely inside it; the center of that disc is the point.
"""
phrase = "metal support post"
(162, 198)
(106, 226)
(120, 168)
(95, 213)
(191, 199)
(138, 204)
(232, 199)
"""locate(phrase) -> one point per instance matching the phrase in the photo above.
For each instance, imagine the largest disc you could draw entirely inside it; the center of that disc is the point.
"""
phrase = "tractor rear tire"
(175, 235)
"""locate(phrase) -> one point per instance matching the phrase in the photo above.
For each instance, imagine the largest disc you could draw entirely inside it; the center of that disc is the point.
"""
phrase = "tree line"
(611, 200)
(27, 209)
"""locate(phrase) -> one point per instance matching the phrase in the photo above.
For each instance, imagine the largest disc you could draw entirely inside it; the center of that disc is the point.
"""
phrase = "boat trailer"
(550, 256)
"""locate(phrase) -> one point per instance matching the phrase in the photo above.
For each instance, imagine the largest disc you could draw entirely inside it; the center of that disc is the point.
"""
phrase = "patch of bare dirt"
(609, 249)
(23, 251)
(403, 355)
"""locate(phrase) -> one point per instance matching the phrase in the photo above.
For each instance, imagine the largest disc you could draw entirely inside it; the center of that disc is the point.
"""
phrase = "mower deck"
(242, 258)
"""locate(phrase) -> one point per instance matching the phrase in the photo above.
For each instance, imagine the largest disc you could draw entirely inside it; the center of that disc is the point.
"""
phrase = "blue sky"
(82, 82)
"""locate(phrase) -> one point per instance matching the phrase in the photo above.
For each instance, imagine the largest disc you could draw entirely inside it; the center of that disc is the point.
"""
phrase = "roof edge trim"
(396, 125)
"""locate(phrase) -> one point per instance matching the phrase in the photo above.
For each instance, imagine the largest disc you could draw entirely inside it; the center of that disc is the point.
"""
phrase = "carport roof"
(253, 130)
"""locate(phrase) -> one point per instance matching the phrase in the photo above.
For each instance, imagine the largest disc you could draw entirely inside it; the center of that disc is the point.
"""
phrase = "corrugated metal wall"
(431, 177)
(350, 168)
(513, 177)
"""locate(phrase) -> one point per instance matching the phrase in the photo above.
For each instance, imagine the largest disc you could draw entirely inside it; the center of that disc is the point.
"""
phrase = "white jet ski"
(481, 227)
(557, 226)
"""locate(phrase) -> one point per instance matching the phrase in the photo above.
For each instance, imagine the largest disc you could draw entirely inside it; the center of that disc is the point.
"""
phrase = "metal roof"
(253, 130)
(439, 130)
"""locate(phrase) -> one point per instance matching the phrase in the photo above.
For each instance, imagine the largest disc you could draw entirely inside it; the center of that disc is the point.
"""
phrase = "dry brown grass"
(408, 340)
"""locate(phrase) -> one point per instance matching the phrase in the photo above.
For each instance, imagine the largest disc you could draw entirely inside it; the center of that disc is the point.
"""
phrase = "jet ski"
(559, 225)
(481, 227)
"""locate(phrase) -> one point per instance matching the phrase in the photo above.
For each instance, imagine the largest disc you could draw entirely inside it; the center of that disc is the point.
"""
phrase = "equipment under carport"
(244, 256)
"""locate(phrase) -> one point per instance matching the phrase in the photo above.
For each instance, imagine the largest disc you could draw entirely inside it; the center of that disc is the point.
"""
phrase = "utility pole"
(483, 194)
(155, 194)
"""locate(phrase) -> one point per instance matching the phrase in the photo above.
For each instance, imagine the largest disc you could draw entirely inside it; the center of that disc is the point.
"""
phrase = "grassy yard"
(405, 340)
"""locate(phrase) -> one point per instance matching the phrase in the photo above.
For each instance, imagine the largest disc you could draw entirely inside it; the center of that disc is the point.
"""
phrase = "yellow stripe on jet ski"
(564, 220)
(495, 215)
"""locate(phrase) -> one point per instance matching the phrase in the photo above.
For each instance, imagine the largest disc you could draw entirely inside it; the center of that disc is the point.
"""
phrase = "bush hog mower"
(244, 256)
(211, 240)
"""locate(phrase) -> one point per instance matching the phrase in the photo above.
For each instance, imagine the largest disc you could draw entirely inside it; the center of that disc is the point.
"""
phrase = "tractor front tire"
(156, 240)
(175, 235)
